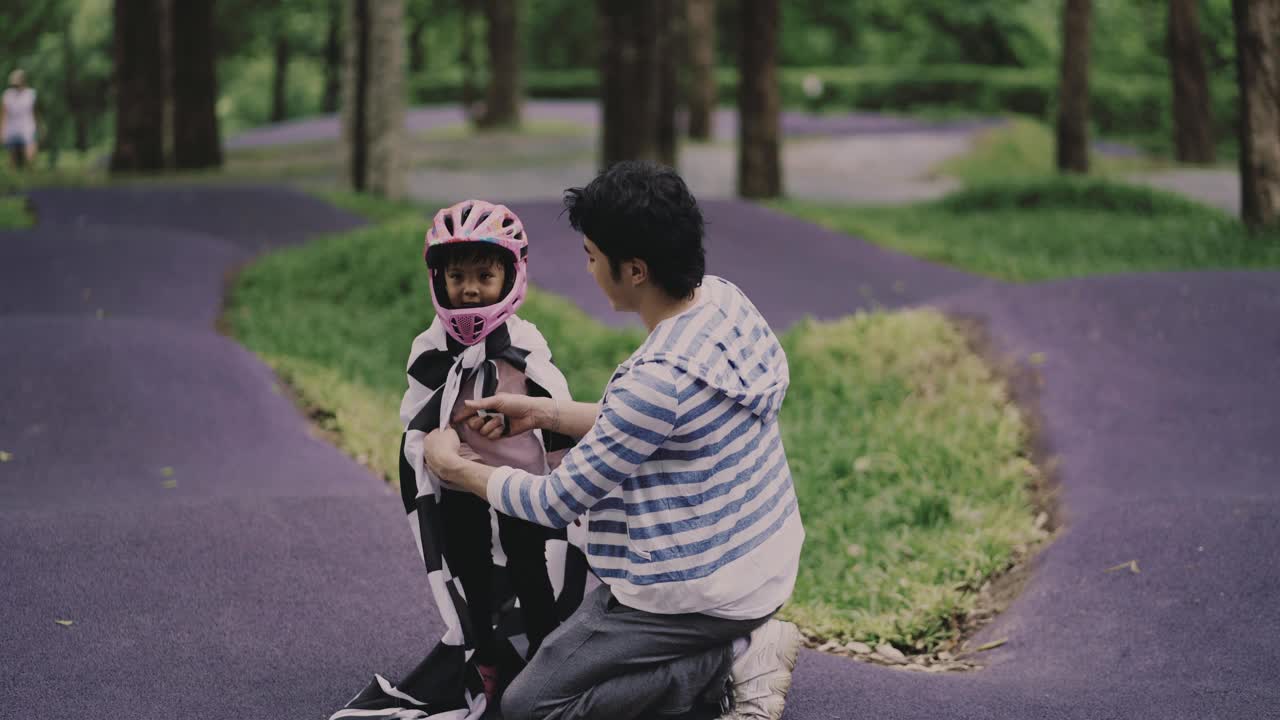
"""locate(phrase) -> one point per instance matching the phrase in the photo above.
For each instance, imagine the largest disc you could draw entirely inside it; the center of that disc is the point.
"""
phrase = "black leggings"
(468, 547)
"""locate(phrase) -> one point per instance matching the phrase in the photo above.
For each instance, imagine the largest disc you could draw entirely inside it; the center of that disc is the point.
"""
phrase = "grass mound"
(1023, 149)
(1050, 228)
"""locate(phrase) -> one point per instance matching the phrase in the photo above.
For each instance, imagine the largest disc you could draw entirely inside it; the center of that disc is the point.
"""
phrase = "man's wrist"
(548, 417)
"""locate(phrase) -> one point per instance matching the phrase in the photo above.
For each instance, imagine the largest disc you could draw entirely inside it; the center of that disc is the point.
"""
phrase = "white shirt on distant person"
(19, 114)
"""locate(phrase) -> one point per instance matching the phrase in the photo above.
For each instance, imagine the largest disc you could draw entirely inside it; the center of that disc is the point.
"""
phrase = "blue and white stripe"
(684, 481)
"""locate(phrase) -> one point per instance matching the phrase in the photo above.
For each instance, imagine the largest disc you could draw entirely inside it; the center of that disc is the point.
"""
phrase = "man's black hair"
(641, 210)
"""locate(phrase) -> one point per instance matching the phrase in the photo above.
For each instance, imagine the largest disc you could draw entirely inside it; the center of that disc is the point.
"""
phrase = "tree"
(502, 101)
(700, 95)
(1073, 91)
(373, 96)
(629, 79)
(759, 164)
(196, 141)
(139, 141)
(467, 57)
(1258, 72)
(332, 58)
(1192, 119)
(670, 40)
(417, 54)
(280, 72)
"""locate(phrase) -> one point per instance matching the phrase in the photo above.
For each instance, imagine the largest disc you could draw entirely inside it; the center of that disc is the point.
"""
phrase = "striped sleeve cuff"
(497, 491)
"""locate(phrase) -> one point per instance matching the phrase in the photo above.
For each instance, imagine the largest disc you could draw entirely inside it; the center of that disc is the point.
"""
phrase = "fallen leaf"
(64, 623)
(1037, 358)
(991, 645)
(1132, 566)
(854, 550)
(166, 471)
(862, 464)
(5, 457)
(169, 484)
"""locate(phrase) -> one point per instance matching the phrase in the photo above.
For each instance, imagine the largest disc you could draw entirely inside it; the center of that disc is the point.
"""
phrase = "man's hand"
(451, 462)
(440, 450)
(523, 413)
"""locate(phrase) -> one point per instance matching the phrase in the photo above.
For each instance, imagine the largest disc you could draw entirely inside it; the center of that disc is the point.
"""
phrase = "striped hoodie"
(683, 480)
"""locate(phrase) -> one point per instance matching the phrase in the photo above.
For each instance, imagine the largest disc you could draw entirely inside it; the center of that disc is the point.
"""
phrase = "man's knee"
(518, 700)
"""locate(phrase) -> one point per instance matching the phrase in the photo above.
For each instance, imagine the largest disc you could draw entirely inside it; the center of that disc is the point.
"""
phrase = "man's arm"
(637, 417)
(524, 413)
(570, 417)
(442, 450)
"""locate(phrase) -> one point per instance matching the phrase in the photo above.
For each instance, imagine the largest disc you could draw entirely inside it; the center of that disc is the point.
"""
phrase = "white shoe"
(761, 676)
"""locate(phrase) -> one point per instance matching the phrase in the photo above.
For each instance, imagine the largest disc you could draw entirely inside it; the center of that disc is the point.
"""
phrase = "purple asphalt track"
(275, 575)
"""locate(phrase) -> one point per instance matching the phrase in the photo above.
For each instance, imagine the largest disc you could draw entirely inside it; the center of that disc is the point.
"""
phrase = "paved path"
(587, 114)
(862, 158)
(267, 582)
(1217, 187)
(854, 157)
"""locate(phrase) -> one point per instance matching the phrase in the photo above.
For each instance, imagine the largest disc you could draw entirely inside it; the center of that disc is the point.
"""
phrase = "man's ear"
(636, 271)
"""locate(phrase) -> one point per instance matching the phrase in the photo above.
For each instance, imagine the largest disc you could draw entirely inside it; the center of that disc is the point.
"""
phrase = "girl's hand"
(440, 449)
(522, 413)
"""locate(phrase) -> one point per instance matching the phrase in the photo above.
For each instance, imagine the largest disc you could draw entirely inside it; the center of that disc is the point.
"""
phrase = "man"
(680, 476)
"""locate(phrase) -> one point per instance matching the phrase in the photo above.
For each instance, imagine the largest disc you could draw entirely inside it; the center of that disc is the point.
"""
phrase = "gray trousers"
(612, 662)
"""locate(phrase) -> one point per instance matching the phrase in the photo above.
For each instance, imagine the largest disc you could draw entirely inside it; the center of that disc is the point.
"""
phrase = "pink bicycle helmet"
(477, 221)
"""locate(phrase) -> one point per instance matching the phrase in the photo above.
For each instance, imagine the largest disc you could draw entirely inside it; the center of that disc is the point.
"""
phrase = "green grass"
(907, 453)
(14, 213)
(1057, 227)
(1023, 149)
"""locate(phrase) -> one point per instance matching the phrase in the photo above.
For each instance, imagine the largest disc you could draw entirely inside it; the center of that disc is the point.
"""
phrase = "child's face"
(474, 283)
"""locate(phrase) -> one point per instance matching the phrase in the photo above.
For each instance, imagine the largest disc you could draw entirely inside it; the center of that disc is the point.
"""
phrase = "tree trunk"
(467, 57)
(280, 80)
(333, 59)
(139, 141)
(670, 42)
(629, 80)
(1073, 92)
(196, 141)
(72, 91)
(373, 105)
(701, 89)
(502, 101)
(168, 101)
(417, 54)
(355, 79)
(1192, 119)
(759, 166)
(1258, 70)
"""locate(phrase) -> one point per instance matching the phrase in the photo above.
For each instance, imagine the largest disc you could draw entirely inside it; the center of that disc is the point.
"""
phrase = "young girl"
(476, 253)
